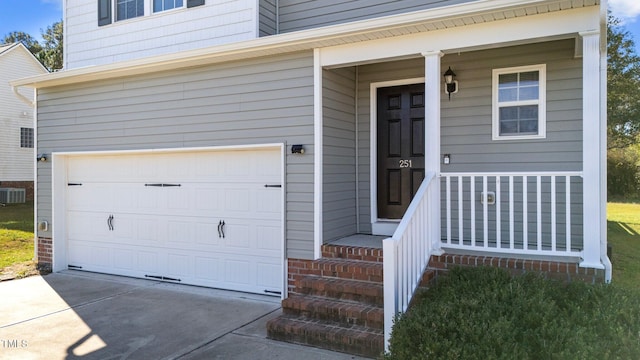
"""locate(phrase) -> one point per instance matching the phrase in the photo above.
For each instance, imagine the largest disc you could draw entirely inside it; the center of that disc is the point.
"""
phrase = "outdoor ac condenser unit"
(12, 196)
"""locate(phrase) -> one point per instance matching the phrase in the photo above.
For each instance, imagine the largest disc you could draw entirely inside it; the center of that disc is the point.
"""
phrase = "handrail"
(407, 252)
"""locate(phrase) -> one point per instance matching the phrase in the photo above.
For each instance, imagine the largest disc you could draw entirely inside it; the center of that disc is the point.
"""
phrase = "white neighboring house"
(16, 118)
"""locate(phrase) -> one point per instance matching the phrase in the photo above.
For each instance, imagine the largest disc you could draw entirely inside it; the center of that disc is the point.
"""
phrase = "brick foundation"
(550, 269)
(45, 253)
(27, 185)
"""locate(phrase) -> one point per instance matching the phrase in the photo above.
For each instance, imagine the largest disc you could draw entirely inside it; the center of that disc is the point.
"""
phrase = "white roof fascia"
(281, 43)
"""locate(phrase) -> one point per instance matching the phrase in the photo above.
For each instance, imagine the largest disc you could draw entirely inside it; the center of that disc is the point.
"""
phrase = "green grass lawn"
(623, 228)
(16, 234)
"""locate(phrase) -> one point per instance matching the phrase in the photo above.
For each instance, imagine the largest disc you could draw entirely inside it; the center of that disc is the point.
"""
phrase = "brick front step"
(344, 313)
(347, 269)
(353, 340)
(363, 292)
(351, 253)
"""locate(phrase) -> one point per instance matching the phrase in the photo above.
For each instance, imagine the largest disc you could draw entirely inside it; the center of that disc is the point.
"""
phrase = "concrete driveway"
(75, 314)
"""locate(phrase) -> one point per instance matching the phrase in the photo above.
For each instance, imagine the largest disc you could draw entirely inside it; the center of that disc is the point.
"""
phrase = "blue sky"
(31, 16)
(28, 16)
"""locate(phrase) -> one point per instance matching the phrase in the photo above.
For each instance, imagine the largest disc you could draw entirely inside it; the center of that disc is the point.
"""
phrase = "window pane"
(508, 80)
(529, 127)
(516, 120)
(508, 127)
(529, 93)
(121, 11)
(509, 113)
(178, 3)
(528, 112)
(168, 4)
(128, 9)
(529, 78)
(139, 8)
(507, 95)
(26, 137)
(157, 5)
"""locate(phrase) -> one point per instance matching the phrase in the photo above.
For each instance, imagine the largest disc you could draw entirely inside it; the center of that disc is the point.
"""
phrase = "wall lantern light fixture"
(451, 84)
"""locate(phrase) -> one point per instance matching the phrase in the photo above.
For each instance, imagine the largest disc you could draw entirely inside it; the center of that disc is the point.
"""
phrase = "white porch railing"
(407, 252)
(517, 213)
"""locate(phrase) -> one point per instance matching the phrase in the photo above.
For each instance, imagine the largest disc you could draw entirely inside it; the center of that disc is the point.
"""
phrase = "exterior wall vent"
(12, 196)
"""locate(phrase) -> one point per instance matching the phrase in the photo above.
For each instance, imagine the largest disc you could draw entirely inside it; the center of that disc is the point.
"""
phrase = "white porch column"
(592, 163)
(432, 140)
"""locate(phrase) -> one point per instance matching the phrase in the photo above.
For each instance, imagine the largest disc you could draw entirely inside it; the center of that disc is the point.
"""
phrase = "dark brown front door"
(400, 147)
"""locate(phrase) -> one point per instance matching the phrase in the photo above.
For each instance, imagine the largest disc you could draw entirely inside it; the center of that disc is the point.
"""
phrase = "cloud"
(625, 10)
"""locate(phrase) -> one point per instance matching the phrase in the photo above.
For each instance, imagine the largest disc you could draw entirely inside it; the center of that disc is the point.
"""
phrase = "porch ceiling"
(476, 12)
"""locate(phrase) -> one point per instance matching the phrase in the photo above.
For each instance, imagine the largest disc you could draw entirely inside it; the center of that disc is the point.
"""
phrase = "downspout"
(357, 118)
(22, 97)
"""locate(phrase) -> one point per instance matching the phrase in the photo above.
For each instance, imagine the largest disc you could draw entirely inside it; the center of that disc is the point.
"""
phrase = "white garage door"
(202, 218)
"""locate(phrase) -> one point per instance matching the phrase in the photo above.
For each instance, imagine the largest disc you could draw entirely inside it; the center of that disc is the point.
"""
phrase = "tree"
(27, 40)
(51, 54)
(623, 73)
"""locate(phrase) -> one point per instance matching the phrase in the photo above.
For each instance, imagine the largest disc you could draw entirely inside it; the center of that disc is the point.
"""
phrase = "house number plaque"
(404, 163)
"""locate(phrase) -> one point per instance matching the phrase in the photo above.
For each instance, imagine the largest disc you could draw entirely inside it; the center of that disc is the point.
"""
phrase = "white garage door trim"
(60, 163)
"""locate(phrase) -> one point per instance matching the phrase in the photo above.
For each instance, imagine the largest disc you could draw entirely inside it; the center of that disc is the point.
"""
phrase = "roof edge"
(280, 43)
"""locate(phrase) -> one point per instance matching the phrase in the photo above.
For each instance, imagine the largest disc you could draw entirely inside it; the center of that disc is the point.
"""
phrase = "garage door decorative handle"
(110, 222)
(221, 229)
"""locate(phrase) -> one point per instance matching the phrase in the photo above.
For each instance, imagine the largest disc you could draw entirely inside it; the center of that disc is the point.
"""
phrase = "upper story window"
(519, 104)
(26, 137)
(162, 5)
(128, 9)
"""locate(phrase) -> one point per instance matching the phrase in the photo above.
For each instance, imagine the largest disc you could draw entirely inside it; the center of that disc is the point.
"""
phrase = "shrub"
(484, 313)
(623, 173)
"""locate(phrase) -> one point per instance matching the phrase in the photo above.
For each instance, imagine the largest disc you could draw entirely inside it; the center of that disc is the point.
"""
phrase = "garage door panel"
(173, 231)
(208, 269)
(179, 266)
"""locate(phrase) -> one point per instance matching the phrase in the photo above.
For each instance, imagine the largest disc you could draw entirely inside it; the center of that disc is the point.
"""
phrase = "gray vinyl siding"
(266, 100)
(339, 150)
(368, 74)
(306, 14)
(466, 119)
(268, 17)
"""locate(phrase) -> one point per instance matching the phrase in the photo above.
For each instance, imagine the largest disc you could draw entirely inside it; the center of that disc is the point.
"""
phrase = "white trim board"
(380, 226)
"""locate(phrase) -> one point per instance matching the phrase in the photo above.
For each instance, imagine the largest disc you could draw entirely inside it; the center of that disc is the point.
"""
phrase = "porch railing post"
(432, 143)
(591, 149)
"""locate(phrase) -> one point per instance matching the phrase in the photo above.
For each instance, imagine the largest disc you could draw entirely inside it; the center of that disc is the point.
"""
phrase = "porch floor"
(360, 240)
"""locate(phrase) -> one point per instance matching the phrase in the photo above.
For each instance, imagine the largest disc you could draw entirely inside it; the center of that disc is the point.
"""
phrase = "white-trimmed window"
(26, 137)
(162, 5)
(519, 103)
(129, 9)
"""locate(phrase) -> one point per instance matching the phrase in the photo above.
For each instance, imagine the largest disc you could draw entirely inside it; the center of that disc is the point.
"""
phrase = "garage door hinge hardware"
(221, 225)
(74, 267)
(110, 222)
(163, 185)
(74, 184)
(273, 186)
(273, 292)
(161, 278)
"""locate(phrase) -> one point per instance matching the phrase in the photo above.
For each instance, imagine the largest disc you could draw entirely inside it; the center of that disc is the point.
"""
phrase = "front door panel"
(400, 129)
